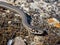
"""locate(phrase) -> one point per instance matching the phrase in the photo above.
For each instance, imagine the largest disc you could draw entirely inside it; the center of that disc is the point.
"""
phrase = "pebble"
(8, 11)
(9, 22)
(10, 42)
(19, 41)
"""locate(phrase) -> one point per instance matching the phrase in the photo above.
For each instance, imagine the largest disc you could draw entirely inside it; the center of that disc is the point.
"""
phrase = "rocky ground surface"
(44, 15)
(10, 25)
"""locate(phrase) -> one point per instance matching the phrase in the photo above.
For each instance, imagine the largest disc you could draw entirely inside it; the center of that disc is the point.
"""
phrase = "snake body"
(20, 12)
(22, 15)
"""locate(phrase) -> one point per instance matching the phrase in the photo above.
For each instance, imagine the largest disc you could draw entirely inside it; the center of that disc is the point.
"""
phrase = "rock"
(8, 11)
(34, 5)
(9, 22)
(19, 41)
(54, 22)
(38, 40)
(10, 42)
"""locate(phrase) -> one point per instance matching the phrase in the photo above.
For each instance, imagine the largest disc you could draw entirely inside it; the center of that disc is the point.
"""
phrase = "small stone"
(54, 22)
(8, 11)
(38, 40)
(9, 22)
(17, 15)
(3, 15)
(10, 42)
(19, 41)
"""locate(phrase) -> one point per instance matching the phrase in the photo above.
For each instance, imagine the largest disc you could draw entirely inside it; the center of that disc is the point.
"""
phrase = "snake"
(20, 12)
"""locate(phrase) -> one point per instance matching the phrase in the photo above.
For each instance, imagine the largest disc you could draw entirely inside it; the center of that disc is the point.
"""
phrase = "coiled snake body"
(20, 12)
